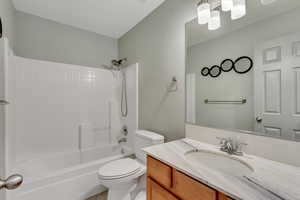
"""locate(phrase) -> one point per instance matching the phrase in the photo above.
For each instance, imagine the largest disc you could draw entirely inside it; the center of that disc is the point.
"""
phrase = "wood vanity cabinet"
(166, 183)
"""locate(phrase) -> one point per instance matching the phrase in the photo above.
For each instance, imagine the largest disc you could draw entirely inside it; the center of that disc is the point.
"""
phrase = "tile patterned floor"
(102, 196)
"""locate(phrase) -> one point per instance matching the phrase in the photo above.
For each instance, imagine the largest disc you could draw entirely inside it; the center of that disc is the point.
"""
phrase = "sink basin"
(219, 162)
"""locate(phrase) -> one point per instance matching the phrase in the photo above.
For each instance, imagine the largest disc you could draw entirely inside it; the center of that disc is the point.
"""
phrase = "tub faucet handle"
(122, 140)
(125, 130)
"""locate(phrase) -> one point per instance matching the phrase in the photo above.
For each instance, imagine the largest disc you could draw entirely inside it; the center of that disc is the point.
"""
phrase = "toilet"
(126, 178)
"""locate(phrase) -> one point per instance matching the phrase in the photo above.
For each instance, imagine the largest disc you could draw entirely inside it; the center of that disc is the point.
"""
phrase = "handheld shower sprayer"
(118, 65)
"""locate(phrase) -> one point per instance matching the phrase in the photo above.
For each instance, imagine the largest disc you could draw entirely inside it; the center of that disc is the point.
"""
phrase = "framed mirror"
(257, 58)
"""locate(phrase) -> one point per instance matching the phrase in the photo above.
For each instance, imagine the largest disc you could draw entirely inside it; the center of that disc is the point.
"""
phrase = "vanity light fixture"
(215, 20)
(239, 9)
(227, 5)
(203, 11)
(209, 11)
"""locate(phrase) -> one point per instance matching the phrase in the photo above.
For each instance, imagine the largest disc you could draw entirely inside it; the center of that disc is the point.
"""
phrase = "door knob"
(3, 102)
(259, 119)
(11, 182)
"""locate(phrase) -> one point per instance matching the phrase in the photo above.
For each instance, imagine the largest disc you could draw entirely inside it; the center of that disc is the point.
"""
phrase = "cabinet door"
(223, 197)
(189, 189)
(159, 172)
(156, 192)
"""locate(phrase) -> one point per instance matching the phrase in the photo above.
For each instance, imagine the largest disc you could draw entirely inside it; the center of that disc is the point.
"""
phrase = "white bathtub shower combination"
(64, 176)
(63, 123)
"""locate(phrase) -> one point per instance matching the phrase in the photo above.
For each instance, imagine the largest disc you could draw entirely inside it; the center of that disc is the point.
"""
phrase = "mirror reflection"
(253, 84)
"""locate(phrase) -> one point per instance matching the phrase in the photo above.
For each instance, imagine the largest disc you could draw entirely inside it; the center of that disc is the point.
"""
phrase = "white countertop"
(274, 180)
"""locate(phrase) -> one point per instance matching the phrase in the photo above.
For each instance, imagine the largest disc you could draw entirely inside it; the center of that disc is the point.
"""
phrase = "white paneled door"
(2, 118)
(8, 180)
(277, 87)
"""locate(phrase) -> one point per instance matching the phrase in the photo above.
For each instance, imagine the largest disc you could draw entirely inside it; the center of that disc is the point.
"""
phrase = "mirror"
(245, 75)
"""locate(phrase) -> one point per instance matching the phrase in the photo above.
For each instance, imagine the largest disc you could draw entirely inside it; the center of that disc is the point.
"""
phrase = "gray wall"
(8, 19)
(43, 39)
(158, 45)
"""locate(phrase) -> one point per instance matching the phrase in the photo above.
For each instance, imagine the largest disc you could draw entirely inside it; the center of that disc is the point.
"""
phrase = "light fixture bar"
(209, 11)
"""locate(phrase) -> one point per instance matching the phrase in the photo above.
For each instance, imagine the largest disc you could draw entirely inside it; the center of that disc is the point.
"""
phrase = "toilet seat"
(119, 169)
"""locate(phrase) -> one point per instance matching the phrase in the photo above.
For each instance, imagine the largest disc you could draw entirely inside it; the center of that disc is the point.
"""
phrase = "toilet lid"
(119, 168)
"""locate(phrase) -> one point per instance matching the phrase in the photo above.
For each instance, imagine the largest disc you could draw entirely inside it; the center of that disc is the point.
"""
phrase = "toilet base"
(123, 193)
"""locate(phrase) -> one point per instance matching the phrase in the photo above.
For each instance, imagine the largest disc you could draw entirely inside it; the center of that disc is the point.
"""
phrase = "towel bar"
(242, 101)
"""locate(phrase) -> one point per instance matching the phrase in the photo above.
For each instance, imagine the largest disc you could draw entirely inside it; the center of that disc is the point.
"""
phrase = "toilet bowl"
(126, 178)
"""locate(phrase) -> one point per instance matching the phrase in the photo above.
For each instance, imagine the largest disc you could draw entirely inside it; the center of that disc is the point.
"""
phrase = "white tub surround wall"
(61, 124)
(281, 179)
(52, 100)
(271, 148)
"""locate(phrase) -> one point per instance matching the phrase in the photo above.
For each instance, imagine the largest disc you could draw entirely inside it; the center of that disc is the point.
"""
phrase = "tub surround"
(273, 180)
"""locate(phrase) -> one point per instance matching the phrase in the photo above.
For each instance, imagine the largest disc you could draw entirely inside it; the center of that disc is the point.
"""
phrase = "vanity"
(165, 182)
(191, 170)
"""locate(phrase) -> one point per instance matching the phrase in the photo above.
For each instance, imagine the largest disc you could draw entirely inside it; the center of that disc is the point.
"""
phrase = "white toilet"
(126, 178)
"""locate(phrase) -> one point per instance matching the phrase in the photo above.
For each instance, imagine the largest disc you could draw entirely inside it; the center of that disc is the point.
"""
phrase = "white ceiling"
(107, 17)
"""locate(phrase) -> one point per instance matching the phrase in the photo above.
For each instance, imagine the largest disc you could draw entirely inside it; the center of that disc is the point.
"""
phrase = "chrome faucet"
(230, 146)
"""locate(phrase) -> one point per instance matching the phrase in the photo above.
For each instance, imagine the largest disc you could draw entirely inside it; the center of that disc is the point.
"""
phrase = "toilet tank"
(145, 139)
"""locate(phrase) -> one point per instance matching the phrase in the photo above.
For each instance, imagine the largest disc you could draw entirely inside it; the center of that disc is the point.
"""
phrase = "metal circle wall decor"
(243, 65)
(205, 71)
(227, 65)
(0, 28)
(215, 71)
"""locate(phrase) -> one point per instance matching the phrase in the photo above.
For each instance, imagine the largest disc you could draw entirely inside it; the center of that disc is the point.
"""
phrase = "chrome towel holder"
(242, 101)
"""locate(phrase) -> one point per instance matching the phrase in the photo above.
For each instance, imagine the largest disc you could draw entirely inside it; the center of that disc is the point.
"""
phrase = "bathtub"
(67, 176)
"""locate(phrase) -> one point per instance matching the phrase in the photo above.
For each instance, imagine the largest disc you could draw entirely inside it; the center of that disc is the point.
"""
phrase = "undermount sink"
(219, 162)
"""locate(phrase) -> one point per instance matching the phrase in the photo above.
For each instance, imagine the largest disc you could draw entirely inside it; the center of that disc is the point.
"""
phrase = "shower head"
(118, 63)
